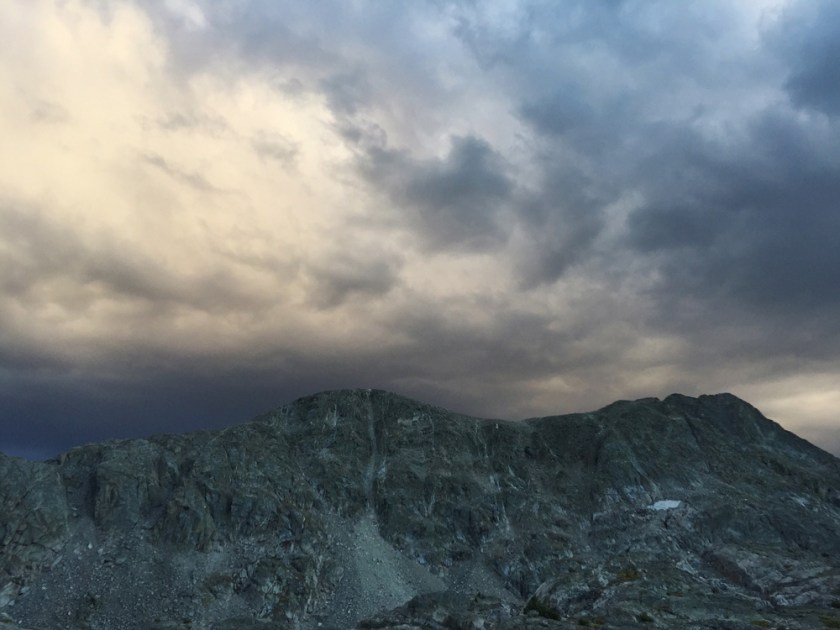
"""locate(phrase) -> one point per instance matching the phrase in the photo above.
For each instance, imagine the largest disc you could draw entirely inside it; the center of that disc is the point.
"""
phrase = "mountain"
(365, 509)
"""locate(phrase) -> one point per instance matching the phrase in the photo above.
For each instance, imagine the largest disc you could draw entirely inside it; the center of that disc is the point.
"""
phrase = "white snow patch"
(667, 504)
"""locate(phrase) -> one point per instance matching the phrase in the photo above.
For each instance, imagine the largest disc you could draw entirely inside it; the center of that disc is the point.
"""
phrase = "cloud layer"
(507, 208)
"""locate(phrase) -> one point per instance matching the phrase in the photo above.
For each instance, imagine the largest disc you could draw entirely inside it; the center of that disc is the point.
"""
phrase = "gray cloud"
(346, 92)
(549, 206)
(603, 86)
(808, 40)
(751, 224)
(191, 178)
(44, 111)
(46, 261)
(276, 147)
(345, 276)
(736, 226)
(560, 220)
(452, 202)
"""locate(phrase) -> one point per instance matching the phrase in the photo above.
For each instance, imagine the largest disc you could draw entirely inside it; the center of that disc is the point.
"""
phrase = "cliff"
(363, 508)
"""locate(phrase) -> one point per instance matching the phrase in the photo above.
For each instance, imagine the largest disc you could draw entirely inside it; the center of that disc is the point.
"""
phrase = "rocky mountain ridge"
(364, 509)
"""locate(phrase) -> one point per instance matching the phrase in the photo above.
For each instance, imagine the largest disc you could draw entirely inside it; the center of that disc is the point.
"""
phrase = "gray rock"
(365, 508)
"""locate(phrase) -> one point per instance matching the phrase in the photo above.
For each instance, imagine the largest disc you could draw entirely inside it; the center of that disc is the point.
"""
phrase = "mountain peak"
(362, 504)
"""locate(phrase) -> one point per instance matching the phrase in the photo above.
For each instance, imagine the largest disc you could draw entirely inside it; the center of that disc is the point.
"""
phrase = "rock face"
(365, 509)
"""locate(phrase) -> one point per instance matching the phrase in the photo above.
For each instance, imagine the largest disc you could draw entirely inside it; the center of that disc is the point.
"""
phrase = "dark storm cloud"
(740, 223)
(600, 84)
(146, 393)
(660, 181)
(345, 276)
(603, 47)
(70, 411)
(155, 395)
(453, 202)
(808, 40)
(560, 218)
(750, 226)
(346, 92)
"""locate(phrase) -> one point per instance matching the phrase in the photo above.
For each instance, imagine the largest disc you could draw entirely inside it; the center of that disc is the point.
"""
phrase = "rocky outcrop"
(363, 508)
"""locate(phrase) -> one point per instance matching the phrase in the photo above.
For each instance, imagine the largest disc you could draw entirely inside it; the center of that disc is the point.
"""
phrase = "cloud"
(748, 226)
(348, 275)
(196, 180)
(346, 93)
(190, 13)
(510, 208)
(276, 147)
(807, 40)
(450, 202)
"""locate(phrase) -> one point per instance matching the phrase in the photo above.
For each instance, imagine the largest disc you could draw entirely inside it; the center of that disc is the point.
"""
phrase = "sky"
(508, 208)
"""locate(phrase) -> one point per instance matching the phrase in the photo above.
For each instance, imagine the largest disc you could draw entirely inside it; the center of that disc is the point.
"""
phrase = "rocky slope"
(365, 509)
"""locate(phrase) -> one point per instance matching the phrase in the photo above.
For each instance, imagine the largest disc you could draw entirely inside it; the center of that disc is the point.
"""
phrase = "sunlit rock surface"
(365, 509)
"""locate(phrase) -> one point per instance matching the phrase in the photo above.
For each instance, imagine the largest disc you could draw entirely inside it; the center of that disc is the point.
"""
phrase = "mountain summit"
(366, 509)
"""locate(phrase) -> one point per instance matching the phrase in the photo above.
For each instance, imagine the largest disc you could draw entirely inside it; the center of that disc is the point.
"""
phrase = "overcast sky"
(508, 208)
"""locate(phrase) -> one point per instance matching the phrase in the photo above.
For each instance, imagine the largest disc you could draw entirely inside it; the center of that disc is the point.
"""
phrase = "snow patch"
(667, 504)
